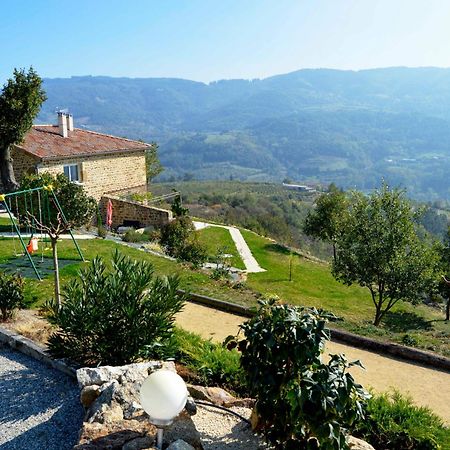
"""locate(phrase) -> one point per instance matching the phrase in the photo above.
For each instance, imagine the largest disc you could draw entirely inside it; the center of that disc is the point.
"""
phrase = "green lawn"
(215, 239)
(38, 292)
(313, 285)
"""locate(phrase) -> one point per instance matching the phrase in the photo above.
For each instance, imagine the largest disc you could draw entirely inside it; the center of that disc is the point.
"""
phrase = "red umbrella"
(109, 210)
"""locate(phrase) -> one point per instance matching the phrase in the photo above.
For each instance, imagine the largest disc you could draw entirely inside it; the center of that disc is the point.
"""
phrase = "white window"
(72, 173)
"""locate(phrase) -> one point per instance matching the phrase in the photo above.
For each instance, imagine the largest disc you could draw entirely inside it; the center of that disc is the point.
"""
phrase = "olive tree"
(20, 102)
(77, 206)
(379, 249)
(323, 222)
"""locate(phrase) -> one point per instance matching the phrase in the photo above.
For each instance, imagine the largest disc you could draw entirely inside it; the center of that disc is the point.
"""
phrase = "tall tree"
(152, 162)
(378, 248)
(20, 102)
(324, 221)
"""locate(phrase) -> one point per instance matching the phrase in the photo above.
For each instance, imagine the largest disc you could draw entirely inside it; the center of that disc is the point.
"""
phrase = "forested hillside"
(352, 128)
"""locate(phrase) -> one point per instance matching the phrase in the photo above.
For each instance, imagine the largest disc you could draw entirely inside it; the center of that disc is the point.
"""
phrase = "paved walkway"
(243, 249)
(426, 386)
(39, 406)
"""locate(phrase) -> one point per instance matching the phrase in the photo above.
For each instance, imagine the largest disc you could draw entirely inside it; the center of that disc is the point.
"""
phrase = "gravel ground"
(39, 406)
(220, 430)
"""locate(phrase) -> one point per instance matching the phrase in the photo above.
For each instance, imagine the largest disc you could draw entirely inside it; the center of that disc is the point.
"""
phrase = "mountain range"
(353, 128)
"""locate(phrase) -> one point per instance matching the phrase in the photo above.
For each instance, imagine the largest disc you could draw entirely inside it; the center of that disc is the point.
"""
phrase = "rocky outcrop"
(115, 419)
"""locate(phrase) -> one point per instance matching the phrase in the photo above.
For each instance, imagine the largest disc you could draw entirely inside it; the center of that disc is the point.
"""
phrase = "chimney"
(62, 124)
(69, 122)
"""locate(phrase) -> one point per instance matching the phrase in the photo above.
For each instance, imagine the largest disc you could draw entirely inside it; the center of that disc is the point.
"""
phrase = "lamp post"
(163, 396)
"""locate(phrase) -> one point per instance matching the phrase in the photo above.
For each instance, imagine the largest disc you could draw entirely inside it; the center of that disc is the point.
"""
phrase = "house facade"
(102, 163)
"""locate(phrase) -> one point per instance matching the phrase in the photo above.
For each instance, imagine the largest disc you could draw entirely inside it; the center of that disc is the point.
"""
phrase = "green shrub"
(178, 238)
(115, 317)
(211, 362)
(11, 294)
(301, 401)
(135, 236)
(394, 422)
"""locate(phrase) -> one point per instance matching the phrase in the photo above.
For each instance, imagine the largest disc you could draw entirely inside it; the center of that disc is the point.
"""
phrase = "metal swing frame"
(48, 189)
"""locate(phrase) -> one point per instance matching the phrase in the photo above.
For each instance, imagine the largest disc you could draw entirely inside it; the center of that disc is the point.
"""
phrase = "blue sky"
(215, 39)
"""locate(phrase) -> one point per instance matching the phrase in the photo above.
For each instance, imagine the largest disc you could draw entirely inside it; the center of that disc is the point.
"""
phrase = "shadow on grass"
(402, 321)
(44, 266)
(277, 248)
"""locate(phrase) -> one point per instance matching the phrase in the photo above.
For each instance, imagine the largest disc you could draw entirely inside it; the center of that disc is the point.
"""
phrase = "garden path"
(243, 249)
(426, 386)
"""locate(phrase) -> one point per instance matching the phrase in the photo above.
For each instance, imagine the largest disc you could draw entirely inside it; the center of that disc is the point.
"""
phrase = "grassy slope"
(313, 285)
(214, 238)
(195, 281)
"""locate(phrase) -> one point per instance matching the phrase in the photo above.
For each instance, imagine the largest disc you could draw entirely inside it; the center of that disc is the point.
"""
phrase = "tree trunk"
(447, 310)
(334, 252)
(56, 268)
(6, 171)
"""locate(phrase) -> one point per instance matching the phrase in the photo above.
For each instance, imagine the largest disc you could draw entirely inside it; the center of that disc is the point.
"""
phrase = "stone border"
(385, 348)
(30, 348)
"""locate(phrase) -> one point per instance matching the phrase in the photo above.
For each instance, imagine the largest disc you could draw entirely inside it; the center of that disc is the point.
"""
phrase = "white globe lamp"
(163, 396)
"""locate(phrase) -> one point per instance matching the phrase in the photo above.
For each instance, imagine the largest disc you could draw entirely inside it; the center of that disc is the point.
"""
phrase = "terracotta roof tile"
(45, 142)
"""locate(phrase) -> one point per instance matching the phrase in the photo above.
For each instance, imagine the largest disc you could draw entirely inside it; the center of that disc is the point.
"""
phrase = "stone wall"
(127, 212)
(23, 163)
(118, 172)
(106, 173)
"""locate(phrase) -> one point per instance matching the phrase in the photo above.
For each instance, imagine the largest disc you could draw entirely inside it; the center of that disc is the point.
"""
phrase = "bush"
(301, 401)
(394, 422)
(135, 236)
(11, 295)
(211, 362)
(115, 317)
(178, 238)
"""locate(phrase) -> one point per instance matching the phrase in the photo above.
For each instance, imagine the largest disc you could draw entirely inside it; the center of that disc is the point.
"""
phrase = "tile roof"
(45, 142)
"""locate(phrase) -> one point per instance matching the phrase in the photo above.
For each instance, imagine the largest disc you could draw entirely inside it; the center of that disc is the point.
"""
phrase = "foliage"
(78, 207)
(11, 294)
(179, 239)
(266, 208)
(221, 271)
(115, 317)
(152, 163)
(177, 207)
(378, 248)
(211, 362)
(444, 281)
(20, 102)
(324, 221)
(393, 422)
(300, 399)
(135, 236)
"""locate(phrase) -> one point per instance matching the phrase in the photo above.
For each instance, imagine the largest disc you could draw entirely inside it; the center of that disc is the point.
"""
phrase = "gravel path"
(222, 431)
(428, 387)
(243, 249)
(39, 406)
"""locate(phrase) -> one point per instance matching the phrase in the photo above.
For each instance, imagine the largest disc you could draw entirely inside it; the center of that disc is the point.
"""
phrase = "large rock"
(89, 394)
(114, 417)
(88, 376)
(358, 444)
(180, 445)
(218, 396)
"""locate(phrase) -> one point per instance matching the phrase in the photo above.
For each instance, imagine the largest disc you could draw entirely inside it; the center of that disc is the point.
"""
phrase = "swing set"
(31, 210)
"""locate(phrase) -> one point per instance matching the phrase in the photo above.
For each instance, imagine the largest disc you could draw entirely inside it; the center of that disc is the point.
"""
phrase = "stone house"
(105, 165)
(100, 162)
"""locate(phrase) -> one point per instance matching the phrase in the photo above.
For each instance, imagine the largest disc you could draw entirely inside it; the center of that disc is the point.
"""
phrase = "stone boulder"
(218, 396)
(114, 417)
